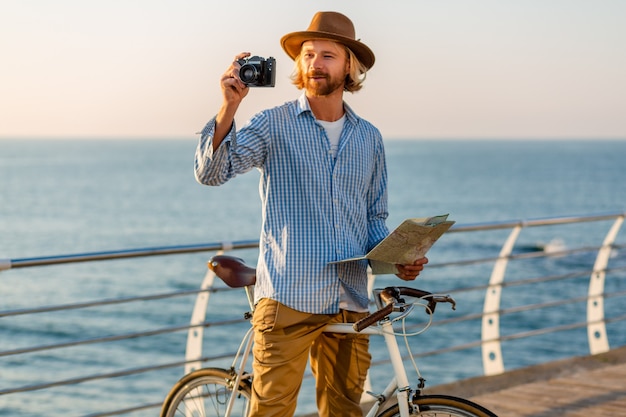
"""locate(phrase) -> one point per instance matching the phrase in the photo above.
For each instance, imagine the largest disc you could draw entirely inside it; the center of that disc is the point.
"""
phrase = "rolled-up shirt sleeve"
(238, 153)
(213, 167)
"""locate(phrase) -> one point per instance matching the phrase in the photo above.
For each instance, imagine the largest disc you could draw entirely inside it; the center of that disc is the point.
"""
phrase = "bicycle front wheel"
(442, 406)
(206, 393)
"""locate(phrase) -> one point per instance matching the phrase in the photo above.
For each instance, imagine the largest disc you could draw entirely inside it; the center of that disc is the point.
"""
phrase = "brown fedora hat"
(332, 26)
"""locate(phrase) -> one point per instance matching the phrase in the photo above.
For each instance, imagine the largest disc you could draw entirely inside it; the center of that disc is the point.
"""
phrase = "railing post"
(491, 348)
(195, 335)
(193, 352)
(596, 327)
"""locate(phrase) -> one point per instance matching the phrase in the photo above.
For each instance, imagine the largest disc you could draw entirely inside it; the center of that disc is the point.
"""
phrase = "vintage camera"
(257, 72)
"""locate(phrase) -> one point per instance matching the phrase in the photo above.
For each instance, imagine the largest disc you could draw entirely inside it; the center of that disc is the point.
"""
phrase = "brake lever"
(445, 299)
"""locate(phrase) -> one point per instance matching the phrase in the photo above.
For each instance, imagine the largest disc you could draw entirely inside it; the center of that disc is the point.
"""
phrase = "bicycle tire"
(205, 392)
(442, 406)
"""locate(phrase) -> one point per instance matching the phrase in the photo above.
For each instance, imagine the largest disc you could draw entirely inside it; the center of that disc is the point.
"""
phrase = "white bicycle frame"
(399, 382)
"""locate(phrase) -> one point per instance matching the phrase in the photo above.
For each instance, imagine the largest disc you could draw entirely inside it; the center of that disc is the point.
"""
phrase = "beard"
(320, 84)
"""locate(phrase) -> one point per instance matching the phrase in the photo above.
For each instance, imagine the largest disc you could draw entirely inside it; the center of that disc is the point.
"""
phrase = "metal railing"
(549, 289)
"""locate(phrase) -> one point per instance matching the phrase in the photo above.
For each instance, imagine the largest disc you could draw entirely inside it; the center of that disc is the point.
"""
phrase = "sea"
(60, 197)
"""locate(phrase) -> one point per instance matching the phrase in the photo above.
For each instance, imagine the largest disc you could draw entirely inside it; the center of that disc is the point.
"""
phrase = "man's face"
(325, 66)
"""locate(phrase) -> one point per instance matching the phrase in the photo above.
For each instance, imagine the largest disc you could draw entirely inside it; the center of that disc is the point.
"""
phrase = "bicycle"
(210, 392)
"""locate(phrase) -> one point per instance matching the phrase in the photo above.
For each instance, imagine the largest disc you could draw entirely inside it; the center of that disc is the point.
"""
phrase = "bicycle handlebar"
(375, 317)
(391, 299)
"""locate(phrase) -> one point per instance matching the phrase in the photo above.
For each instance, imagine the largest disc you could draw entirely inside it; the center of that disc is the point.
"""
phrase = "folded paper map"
(407, 243)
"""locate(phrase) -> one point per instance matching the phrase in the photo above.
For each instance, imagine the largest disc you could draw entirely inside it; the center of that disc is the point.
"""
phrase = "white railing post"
(195, 335)
(491, 348)
(193, 352)
(596, 327)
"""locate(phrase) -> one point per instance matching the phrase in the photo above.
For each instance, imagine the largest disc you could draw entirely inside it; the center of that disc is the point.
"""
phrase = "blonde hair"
(354, 79)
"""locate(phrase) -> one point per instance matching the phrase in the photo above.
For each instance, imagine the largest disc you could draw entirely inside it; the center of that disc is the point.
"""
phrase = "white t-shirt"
(333, 131)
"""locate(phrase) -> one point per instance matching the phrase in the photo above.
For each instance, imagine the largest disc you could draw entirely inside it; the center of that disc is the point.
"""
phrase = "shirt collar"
(304, 106)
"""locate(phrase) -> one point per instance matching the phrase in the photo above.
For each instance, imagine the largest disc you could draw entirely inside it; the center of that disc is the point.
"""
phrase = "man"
(324, 198)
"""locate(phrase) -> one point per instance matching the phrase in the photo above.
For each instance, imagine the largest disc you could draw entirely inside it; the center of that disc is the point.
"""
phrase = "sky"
(495, 69)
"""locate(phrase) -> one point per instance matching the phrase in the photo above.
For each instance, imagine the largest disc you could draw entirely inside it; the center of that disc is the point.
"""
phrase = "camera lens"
(248, 73)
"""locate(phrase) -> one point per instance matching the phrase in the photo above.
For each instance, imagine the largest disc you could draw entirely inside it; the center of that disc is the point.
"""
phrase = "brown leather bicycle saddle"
(232, 270)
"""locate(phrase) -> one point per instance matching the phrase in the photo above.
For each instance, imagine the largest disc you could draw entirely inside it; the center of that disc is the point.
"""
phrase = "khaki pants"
(283, 340)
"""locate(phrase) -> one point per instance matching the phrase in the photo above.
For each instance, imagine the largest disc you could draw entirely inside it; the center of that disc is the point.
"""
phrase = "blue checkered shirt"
(316, 208)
